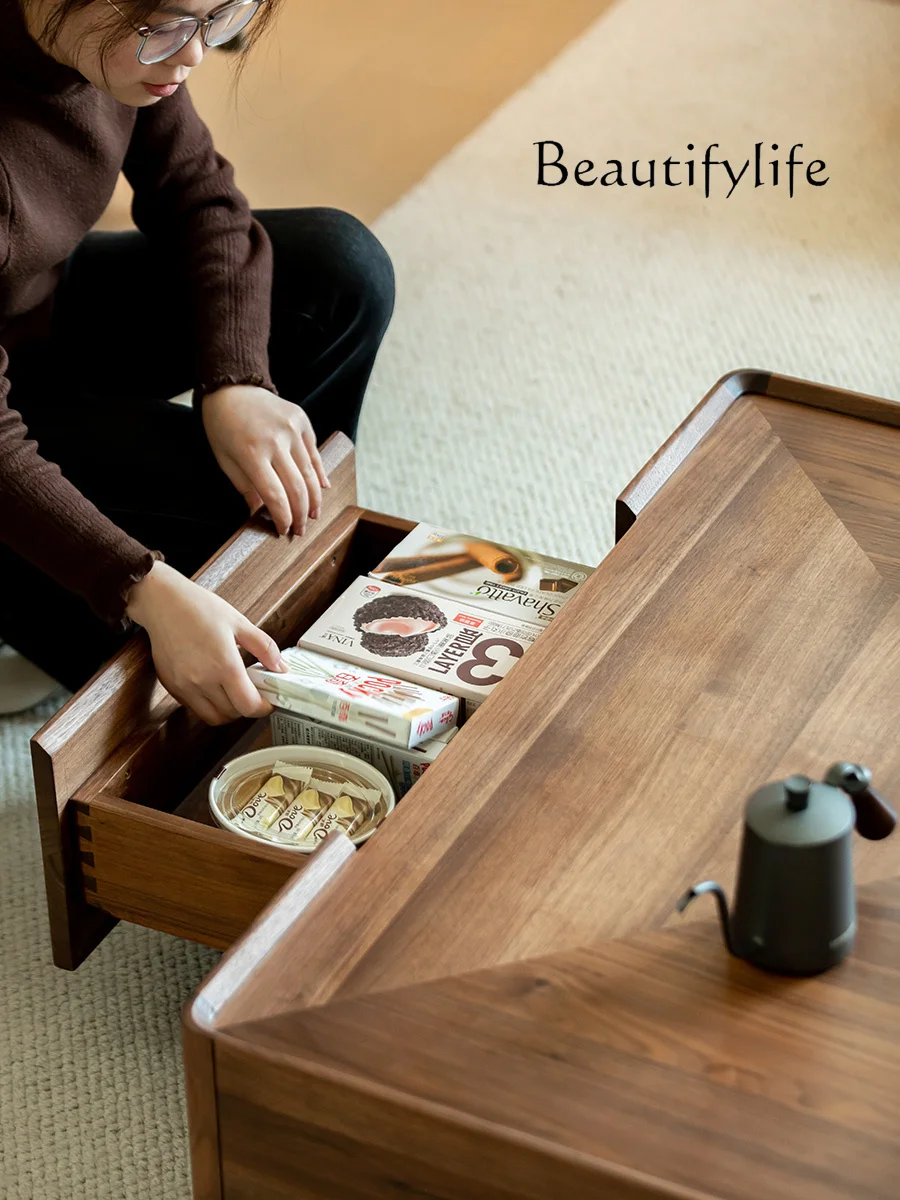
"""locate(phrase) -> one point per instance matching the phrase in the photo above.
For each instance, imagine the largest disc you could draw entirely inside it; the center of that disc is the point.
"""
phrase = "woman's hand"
(194, 636)
(267, 448)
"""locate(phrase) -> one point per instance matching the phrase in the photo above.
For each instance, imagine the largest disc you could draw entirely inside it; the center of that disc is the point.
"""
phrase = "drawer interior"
(167, 770)
(149, 849)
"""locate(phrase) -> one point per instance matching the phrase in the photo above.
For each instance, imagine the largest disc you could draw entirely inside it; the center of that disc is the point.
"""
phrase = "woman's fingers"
(252, 639)
(241, 482)
(219, 703)
(309, 441)
(271, 489)
(231, 698)
(199, 703)
(242, 696)
(301, 459)
(242, 693)
(287, 479)
(295, 489)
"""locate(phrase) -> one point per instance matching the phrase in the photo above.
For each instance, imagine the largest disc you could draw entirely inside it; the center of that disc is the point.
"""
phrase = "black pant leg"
(332, 301)
(121, 319)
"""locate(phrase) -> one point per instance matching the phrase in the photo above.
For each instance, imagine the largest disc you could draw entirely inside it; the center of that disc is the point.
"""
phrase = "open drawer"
(122, 771)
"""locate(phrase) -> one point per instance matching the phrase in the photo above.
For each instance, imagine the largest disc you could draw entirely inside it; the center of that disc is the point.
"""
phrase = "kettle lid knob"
(797, 790)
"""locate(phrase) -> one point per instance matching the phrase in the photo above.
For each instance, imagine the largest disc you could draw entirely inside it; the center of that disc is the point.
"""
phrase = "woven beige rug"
(546, 340)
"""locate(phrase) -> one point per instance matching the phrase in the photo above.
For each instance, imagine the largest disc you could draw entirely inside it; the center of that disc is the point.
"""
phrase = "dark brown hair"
(139, 13)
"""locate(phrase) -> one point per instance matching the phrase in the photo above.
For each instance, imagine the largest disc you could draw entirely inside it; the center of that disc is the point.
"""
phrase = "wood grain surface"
(855, 465)
(796, 396)
(632, 732)
(669, 1067)
(198, 1054)
(398, 1038)
(185, 878)
(199, 1024)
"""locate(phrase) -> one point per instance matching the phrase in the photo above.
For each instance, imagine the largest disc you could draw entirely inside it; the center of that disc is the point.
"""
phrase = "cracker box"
(361, 700)
(434, 643)
(402, 767)
(502, 580)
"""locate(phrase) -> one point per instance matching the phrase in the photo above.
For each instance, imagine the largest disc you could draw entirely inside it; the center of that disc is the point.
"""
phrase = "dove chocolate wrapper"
(344, 813)
(503, 580)
(326, 805)
(370, 703)
(271, 797)
(431, 642)
(298, 818)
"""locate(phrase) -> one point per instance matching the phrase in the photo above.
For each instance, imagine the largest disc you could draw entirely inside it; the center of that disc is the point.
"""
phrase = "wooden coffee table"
(494, 998)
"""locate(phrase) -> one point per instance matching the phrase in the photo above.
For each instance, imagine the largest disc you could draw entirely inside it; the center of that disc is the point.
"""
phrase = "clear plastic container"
(239, 780)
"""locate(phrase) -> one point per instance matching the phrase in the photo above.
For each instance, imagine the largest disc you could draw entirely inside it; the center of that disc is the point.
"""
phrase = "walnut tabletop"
(494, 997)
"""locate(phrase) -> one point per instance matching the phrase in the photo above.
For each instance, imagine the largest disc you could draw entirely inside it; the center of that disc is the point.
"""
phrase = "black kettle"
(795, 904)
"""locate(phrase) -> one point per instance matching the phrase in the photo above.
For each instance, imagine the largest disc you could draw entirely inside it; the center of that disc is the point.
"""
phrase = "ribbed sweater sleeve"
(186, 201)
(46, 520)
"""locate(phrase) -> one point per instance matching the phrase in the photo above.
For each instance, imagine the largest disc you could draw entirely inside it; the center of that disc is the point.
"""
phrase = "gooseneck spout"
(701, 889)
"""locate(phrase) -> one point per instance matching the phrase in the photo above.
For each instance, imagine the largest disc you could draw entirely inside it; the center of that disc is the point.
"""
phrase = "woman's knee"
(330, 251)
(362, 262)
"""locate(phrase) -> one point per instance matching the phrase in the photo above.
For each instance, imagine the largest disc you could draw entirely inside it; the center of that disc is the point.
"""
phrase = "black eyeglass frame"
(201, 26)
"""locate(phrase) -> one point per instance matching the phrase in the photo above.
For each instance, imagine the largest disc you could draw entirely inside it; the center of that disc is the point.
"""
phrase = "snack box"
(363, 701)
(402, 767)
(502, 580)
(427, 641)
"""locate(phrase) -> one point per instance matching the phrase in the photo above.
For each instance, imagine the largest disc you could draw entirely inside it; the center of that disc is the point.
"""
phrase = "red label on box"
(465, 619)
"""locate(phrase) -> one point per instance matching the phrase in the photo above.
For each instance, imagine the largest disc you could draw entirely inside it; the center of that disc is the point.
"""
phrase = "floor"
(349, 103)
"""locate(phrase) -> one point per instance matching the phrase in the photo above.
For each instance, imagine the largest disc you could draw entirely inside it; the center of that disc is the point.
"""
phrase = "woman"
(111, 496)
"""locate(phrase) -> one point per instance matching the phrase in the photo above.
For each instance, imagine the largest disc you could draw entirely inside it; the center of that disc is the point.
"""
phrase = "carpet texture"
(545, 342)
(91, 1099)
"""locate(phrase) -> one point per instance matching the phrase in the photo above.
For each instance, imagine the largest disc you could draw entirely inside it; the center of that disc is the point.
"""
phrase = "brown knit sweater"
(62, 145)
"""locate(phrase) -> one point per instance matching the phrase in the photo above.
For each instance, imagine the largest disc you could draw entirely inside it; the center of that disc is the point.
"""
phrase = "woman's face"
(119, 73)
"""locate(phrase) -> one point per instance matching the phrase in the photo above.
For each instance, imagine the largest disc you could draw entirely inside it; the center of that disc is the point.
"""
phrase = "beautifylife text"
(673, 172)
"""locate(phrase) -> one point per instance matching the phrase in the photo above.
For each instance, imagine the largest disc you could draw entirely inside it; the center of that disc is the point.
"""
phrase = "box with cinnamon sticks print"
(498, 578)
(431, 642)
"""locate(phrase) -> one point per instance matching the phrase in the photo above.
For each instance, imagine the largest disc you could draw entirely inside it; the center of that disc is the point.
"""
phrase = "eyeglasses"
(159, 42)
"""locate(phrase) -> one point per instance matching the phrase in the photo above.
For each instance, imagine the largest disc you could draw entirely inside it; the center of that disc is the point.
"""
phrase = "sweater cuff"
(115, 616)
(221, 381)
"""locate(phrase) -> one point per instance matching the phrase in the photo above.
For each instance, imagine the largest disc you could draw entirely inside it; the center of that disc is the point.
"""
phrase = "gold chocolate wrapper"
(279, 787)
(345, 805)
(345, 813)
(298, 819)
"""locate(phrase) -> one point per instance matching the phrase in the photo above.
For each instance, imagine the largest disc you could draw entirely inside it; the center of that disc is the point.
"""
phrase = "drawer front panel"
(158, 869)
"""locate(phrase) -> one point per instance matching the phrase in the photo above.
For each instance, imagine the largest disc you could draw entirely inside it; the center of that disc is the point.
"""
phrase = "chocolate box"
(500, 579)
(431, 642)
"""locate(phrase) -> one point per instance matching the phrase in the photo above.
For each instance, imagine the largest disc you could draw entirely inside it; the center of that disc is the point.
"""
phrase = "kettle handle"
(875, 819)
